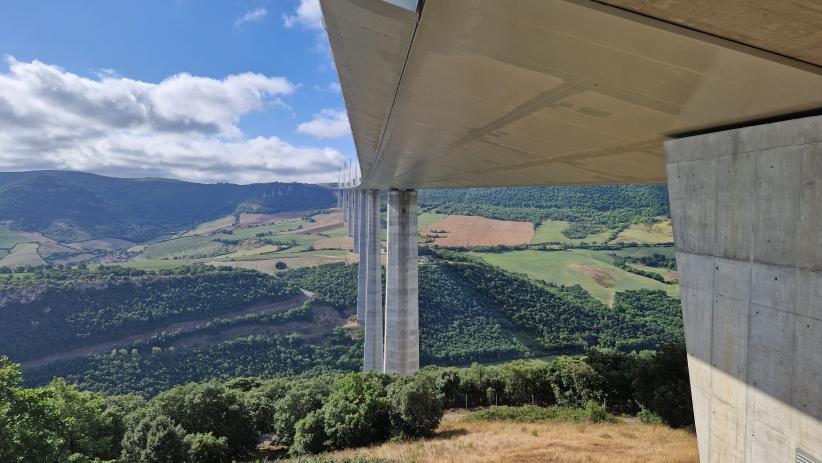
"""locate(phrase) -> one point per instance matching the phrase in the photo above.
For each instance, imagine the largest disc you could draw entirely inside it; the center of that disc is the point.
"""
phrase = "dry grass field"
(471, 231)
(342, 242)
(510, 442)
(323, 222)
(659, 232)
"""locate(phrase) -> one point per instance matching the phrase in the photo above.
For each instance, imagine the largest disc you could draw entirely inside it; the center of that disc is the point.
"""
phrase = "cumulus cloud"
(329, 123)
(308, 15)
(184, 127)
(251, 16)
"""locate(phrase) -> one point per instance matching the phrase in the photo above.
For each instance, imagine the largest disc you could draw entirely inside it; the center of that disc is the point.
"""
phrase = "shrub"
(280, 265)
(155, 439)
(649, 417)
(574, 382)
(210, 407)
(596, 412)
(205, 448)
(416, 409)
(663, 387)
(309, 435)
(357, 412)
(301, 399)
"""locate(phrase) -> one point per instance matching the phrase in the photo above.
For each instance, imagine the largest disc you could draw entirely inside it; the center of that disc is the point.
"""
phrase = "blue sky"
(203, 90)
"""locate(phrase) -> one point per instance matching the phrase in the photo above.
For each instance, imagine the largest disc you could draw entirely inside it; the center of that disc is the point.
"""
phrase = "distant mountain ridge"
(70, 206)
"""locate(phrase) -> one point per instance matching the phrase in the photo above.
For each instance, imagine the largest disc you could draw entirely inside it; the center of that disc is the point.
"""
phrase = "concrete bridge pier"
(373, 342)
(402, 345)
(747, 214)
(355, 220)
(360, 229)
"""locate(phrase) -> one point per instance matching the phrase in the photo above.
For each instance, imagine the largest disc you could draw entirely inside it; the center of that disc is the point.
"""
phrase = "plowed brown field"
(472, 231)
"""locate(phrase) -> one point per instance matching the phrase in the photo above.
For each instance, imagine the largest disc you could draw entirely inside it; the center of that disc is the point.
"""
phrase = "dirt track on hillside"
(104, 347)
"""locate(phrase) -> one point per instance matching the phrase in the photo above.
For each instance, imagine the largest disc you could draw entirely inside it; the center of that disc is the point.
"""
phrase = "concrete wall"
(402, 339)
(747, 215)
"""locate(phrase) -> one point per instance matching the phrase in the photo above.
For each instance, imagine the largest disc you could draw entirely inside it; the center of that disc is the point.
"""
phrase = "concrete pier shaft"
(747, 215)
(359, 219)
(373, 356)
(402, 344)
(360, 229)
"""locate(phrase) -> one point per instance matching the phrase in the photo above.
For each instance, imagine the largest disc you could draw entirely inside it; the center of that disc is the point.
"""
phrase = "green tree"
(574, 382)
(357, 412)
(29, 423)
(210, 407)
(155, 439)
(309, 435)
(416, 408)
(206, 448)
(663, 386)
(87, 428)
(301, 399)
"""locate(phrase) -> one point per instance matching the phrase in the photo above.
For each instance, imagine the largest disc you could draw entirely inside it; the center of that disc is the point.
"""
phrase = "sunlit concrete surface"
(747, 217)
(373, 356)
(402, 337)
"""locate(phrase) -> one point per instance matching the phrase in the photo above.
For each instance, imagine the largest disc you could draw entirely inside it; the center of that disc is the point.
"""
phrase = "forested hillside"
(611, 206)
(73, 206)
(56, 310)
(469, 311)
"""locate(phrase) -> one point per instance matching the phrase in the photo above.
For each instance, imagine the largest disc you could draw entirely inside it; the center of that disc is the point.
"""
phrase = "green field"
(427, 218)
(593, 270)
(550, 231)
(8, 238)
(22, 254)
(213, 225)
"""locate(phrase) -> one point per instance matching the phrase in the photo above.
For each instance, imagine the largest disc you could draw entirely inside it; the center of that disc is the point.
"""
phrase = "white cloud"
(329, 123)
(335, 87)
(308, 15)
(252, 16)
(184, 127)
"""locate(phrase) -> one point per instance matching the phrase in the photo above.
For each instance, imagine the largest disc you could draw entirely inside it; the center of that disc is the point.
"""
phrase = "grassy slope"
(22, 254)
(427, 218)
(593, 270)
(8, 238)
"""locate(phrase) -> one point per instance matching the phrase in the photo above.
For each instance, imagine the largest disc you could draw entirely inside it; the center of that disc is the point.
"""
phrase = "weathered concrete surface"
(747, 216)
(402, 340)
(373, 355)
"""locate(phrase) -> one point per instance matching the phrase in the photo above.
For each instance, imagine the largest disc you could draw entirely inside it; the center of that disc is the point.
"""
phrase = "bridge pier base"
(747, 215)
(402, 345)
(373, 339)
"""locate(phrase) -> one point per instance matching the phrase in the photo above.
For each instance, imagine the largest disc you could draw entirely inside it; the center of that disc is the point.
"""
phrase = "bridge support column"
(747, 214)
(402, 345)
(349, 216)
(373, 342)
(358, 218)
(359, 247)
